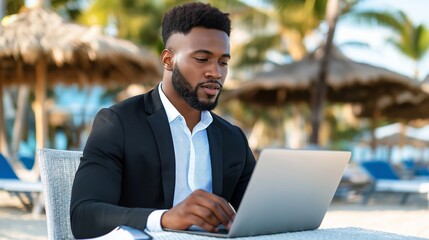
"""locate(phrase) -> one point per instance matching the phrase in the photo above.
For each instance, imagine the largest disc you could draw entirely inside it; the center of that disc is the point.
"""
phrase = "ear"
(167, 59)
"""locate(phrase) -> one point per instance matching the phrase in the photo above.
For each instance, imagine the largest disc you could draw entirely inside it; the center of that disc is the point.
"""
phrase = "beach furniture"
(28, 192)
(385, 179)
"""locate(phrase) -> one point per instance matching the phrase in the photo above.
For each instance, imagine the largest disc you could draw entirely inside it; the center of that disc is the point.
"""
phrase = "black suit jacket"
(128, 166)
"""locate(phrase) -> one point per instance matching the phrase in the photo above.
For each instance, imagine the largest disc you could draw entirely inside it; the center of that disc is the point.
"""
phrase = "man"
(162, 159)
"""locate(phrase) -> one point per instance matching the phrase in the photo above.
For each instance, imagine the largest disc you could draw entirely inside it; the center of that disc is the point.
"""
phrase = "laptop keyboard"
(221, 229)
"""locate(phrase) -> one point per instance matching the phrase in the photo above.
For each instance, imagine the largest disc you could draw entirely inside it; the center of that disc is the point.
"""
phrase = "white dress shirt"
(191, 150)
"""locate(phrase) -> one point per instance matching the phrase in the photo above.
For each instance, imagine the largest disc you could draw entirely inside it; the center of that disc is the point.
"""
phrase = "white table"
(319, 234)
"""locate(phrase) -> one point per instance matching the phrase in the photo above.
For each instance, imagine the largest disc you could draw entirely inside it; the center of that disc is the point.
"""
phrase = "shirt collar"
(172, 113)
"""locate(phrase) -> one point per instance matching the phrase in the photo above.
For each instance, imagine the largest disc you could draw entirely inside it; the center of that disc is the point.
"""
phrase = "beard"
(182, 86)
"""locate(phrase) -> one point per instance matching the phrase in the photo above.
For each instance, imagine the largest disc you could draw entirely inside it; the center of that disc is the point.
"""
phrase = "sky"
(380, 52)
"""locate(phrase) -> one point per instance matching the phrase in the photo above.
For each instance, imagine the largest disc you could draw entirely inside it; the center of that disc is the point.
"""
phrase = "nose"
(213, 73)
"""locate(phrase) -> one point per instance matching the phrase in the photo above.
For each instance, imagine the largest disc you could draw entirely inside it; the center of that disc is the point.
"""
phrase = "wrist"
(164, 223)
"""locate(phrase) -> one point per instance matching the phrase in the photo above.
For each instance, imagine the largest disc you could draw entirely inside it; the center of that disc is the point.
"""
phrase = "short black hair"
(181, 19)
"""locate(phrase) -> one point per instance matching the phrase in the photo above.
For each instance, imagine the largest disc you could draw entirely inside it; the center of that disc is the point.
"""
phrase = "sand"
(382, 213)
(16, 223)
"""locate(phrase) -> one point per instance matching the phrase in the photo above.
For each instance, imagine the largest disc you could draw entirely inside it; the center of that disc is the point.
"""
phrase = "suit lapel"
(161, 130)
(215, 145)
(159, 123)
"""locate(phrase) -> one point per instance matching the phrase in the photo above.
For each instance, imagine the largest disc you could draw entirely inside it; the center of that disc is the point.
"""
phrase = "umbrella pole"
(39, 108)
(4, 149)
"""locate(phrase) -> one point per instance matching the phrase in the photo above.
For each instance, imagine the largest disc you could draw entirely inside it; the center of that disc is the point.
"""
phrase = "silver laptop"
(290, 190)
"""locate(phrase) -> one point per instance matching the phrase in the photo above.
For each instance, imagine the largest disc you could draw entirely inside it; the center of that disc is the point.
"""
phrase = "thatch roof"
(39, 48)
(348, 81)
(404, 111)
(74, 53)
(408, 106)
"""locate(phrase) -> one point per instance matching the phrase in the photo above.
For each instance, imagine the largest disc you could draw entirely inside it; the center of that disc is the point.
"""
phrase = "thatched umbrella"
(410, 107)
(38, 47)
(348, 82)
(413, 107)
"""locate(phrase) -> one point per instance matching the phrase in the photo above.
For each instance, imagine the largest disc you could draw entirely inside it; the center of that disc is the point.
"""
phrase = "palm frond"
(388, 18)
(422, 40)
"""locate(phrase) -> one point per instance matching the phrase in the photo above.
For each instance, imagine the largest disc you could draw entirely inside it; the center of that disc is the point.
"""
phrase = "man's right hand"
(202, 209)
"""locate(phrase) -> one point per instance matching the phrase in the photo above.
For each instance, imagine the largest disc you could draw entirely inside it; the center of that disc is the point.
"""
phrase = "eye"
(223, 63)
(203, 60)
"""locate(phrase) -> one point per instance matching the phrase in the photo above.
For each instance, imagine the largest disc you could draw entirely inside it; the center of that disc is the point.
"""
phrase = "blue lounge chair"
(24, 190)
(27, 161)
(416, 169)
(387, 180)
(6, 171)
(380, 170)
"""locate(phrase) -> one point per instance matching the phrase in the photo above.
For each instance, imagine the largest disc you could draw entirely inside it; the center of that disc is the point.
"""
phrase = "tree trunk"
(318, 95)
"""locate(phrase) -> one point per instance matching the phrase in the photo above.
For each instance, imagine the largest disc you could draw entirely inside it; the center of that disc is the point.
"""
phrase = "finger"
(207, 224)
(200, 222)
(219, 208)
(192, 213)
(206, 214)
(227, 208)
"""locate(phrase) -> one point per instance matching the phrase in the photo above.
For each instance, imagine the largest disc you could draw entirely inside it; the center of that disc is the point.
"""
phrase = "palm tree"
(409, 39)
(140, 20)
(318, 95)
(280, 26)
(295, 20)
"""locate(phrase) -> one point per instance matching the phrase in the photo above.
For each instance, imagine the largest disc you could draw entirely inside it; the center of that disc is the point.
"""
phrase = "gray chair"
(57, 171)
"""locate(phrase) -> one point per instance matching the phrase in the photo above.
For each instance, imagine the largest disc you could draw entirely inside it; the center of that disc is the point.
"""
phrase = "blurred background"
(304, 73)
(315, 74)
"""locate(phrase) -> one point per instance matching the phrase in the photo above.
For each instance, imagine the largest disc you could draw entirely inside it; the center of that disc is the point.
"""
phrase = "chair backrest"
(27, 161)
(57, 171)
(380, 170)
(6, 171)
